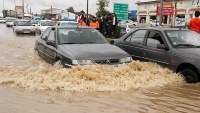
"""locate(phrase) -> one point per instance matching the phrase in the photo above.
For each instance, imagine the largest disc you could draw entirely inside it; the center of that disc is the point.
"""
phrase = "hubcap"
(189, 79)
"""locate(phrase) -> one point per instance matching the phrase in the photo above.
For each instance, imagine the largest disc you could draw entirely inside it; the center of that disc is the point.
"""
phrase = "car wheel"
(59, 62)
(36, 52)
(190, 76)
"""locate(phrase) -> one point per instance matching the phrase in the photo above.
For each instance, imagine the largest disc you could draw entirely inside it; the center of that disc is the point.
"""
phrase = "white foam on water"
(89, 78)
(38, 75)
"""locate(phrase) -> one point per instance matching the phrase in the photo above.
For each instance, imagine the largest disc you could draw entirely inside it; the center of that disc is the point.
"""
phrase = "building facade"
(57, 14)
(184, 9)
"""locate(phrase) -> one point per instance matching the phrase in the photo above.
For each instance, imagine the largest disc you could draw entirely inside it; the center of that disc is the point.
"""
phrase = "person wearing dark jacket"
(114, 22)
(103, 23)
(108, 29)
(100, 25)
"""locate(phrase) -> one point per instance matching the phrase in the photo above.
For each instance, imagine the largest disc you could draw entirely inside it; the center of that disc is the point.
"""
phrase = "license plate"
(27, 31)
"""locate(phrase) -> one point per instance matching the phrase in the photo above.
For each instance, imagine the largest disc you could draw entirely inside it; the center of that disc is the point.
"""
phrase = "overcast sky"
(78, 5)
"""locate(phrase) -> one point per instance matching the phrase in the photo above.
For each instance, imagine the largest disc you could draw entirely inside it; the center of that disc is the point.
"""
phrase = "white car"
(67, 23)
(2, 20)
(34, 22)
(155, 23)
(127, 28)
(43, 25)
(124, 22)
(23, 26)
(9, 22)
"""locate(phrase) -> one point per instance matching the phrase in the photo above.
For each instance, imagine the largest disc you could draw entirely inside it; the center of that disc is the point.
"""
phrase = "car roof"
(75, 27)
(21, 20)
(45, 20)
(35, 20)
(161, 28)
(67, 21)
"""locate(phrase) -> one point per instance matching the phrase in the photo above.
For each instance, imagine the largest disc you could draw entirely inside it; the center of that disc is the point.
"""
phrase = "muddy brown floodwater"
(30, 85)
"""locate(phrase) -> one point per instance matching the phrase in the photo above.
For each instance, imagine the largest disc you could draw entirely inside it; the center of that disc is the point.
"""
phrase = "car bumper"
(25, 31)
(9, 25)
(112, 64)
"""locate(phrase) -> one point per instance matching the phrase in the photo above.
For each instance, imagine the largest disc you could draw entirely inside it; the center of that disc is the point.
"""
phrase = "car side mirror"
(50, 42)
(111, 41)
(162, 46)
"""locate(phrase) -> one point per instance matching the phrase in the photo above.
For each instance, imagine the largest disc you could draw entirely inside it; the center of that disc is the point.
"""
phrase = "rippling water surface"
(27, 80)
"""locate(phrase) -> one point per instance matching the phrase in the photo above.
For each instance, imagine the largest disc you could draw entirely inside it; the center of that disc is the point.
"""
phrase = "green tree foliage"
(102, 4)
(5, 12)
(70, 9)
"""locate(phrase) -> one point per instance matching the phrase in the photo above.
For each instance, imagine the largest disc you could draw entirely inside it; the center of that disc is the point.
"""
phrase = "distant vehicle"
(127, 28)
(1, 15)
(67, 23)
(27, 17)
(43, 25)
(73, 46)
(174, 48)
(2, 20)
(23, 26)
(9, 22)
(124, 22)
(34, 22)
(155, 23)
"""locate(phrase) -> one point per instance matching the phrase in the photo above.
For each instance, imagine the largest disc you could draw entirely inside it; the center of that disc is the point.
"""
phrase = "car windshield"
(34, 22)
(23, 23)
(69, 24)
(10, 20)
(48, 23)
(183, 37)
(80, 36)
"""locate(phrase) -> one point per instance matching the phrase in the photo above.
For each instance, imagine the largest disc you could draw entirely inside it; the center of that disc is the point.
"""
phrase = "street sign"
(166, 11)
(121, 10)
(19, 10)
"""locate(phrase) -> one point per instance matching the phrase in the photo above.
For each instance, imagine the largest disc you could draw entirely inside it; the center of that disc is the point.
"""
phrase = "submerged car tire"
(190, 76)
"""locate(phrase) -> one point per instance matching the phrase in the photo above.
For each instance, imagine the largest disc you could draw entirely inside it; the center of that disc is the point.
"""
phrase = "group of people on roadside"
(105, 24)
(194, 23)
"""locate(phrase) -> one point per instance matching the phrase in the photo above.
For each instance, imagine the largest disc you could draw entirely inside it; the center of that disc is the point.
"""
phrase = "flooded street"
(30, 85)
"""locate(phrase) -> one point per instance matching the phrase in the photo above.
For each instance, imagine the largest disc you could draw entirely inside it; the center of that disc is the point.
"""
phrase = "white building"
(181, 9)
(58, 14)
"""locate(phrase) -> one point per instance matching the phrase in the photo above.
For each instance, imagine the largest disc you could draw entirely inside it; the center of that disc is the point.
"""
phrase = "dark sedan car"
(174, 48)
(78, 46)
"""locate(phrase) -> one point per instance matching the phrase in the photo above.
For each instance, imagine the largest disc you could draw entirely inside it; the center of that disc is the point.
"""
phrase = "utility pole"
(31, 13)
(51, 12)
(161, 13)
(23, 9)
(87, 22)
(30, 10)
(3, 9)
(15, 10)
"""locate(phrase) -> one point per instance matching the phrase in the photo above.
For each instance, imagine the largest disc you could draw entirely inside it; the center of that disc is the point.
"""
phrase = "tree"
(5, 13)
(102, 4)
(70, 9)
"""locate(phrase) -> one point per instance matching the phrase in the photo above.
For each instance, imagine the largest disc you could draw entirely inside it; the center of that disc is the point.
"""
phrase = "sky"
(78, 5)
